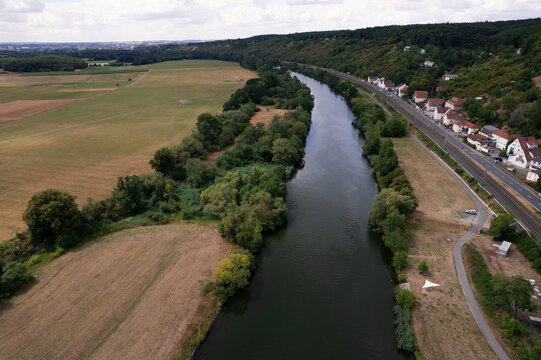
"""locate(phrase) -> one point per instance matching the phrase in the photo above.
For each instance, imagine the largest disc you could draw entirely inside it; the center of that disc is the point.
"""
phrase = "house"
(451, 117)
(501, 138)
(420, 96)
(440, 112)
(488, 130)
(388, 85)
(441, 88)
(428, 63)
(372, 79)
(533, 176)
(455, 103)
(422, 51)
(480, 142)
(432, 104)
(447, 77)
(535, 163)
(464, 126)
(407, 48)
(519, 152)
(402, 89)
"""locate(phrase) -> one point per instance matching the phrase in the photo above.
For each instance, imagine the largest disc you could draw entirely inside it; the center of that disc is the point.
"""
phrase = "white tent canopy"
(429, 284)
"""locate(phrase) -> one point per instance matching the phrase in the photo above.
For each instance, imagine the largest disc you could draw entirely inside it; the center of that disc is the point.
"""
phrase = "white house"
(533, 175)
(464, 126)
(420, 96)
(407, 48)
(447, 77)
(535, 163)
(488, 130)
(439, 112)
(455, 103)
(501, 138)
(432, 104)
(422, 51)
(451, 117)
(428, 63)
(372, 79)
(519, 153)
(479, 141)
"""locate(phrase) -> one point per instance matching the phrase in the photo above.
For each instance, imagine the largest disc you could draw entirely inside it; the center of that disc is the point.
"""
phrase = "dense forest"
(42, 63)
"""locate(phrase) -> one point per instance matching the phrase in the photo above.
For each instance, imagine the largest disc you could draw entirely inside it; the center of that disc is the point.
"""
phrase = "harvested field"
(85, 90)
(22, 80)
(66, 149)
(19, 109)
(128, 295)
(266, 115)
(442, 321)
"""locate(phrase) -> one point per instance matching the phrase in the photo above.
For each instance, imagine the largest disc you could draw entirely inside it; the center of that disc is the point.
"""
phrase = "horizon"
(86, 21)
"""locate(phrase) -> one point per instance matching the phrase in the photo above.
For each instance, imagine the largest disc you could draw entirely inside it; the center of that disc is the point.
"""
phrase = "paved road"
(472, 161)
(479, 220)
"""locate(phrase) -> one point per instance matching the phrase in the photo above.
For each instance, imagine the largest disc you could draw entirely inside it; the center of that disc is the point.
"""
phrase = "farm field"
(433, 228)
(128, 295)
(84, 146)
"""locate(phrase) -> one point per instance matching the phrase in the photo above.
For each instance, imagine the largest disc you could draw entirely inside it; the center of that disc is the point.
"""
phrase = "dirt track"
(86, 90)
(129, 295)
(19, 109)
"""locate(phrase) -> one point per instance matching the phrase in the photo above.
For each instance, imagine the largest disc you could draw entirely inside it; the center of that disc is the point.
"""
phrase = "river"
(322, 289)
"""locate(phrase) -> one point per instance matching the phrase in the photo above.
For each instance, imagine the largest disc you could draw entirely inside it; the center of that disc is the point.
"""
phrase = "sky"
(132, 20)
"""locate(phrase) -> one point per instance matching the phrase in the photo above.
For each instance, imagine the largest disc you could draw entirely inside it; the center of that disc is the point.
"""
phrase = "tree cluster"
(42, 63)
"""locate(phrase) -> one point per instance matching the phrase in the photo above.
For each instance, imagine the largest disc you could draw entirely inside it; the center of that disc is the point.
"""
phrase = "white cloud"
(108, 20)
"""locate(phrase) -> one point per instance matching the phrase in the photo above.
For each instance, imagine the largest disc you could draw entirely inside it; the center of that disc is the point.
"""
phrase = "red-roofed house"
(454, 103)
(420, 96)
(439, 112)
(442, 88)
(432, 104)
(501, 138)
(480, 141)
(464, 126)
(451, 117)
(388, 85)
(402, 89)
(520, 153)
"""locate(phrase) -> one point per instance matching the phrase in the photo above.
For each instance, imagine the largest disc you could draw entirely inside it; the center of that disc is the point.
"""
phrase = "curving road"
(480, 219)
(472, 161)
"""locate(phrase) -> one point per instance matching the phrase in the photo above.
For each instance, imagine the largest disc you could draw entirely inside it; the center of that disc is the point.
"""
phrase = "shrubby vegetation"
(501, 298)
(232, 274)
(42, 63)
(404, 333)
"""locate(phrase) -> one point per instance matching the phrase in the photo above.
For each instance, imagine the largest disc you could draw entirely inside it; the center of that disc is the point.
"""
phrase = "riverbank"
(442, 321)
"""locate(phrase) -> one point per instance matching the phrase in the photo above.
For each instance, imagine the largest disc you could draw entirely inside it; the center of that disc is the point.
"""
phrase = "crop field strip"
(82, 148)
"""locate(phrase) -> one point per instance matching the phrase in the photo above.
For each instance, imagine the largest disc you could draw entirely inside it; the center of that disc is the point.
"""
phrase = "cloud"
(22, 6)
(313, 2)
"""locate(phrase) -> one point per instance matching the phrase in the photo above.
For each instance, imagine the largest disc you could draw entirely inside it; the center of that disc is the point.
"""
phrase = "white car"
(471, 211)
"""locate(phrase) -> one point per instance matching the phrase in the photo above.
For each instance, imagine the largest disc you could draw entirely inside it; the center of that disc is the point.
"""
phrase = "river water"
(322, 288)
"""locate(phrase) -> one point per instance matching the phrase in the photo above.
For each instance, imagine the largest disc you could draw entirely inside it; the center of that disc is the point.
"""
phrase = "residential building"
(407, 48)
(440, 112)
(535, 162)
(372, 79)
(488, 130)
(501, 138)
(451, 117)
(447, 77)
(465, 126)
(432, 104)
(402, 89)
(480, 142)
(388, 85)
(455, 103)
(420, 96)
(519, 152)
(428, 63)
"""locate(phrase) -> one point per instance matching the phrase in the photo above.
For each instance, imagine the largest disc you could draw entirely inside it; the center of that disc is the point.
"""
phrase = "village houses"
(402, 89)
(480, 142)
(454, 103)
(461, 126)
(420, 96)
(447, 77)
(432, 104)
(439, 113)
(520, 151)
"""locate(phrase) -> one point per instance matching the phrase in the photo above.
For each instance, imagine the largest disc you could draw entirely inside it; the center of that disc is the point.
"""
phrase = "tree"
(163, 161)
(512, 293)
(499, 227)
(400, 260)
(14, 275)
(232, 274)
(197, 172)
(210, 128)
(128, 196)
(52, 213)
(284, 152)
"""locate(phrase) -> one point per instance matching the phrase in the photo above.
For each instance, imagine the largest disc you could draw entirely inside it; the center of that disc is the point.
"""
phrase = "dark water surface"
(323, 287)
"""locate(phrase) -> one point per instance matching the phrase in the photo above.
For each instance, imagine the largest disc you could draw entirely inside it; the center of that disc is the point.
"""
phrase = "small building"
(455, 103)
(447, 77)
(388, 85)
(535, 163)
(533, 175)
(372, 79)
(501, 137)
(519, 153)
(451, 117)
(428, 63)
(407, 48)
(488, 130)
(402, 89)
(420, 96)
(464, 126)
(422, 51)
(504, 248)
(480, 142)
(439, 113)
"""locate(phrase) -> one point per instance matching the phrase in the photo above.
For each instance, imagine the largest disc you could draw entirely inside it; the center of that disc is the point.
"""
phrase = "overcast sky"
(121, 20)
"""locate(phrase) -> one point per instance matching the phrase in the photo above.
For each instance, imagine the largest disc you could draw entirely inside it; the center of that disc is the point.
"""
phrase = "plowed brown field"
(128, 295)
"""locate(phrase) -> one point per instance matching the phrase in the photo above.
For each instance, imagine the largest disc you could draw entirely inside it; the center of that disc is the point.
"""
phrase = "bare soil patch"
(128, 295)
(266, 115)
(86, 90)
(20, 80)
(19, 109)
(442, 321)
(537, 81)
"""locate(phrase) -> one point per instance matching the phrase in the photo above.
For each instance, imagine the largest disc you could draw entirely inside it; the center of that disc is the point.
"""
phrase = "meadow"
(84, 146)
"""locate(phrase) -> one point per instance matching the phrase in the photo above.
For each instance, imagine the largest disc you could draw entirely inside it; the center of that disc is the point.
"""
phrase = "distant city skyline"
(121, 20)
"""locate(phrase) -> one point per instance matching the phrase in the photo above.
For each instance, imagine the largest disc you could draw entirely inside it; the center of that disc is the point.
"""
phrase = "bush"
(14, 275)
(158, 217)
(403, 331)
(232, 274)
(400, 260)
(406, 298)
(423, 267)
(512, 328)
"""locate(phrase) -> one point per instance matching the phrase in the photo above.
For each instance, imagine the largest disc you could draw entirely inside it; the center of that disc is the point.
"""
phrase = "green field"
(107, 134)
